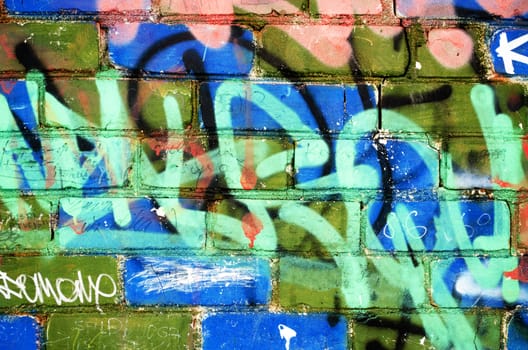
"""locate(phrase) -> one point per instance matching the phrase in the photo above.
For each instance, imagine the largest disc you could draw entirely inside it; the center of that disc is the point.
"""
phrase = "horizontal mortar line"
(251, 18)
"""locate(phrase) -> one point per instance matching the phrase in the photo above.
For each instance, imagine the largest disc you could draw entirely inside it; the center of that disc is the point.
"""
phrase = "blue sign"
(509, 51)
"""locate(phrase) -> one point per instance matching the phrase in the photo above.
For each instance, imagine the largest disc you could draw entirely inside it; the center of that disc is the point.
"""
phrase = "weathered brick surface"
(49, 46)
(198, 48)
(230, 7)
(318, 226)
(25, 224)
(438, 226)
(59, 281)
(453, 8)
(131, 330)
(130, 223)
(72, 6)
(71, 161)
(382, 330)
(380, 50)
(150, 105)
(276, 331)
(239, 162)
(197, 281)
(19, 332)
(282, 174)
(351, 281)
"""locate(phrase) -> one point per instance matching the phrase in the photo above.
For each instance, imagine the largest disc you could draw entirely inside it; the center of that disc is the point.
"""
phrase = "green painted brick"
(426, 330)
(300, 50)
(345, 281)
(449, 52)
(444, 108)
(70, 46)
(117, 104)
(24, 224)
(318, 227)
(59, 280)
(494, 162)
(120, 331)
(345, 8)
(230, 7)
(238, 163)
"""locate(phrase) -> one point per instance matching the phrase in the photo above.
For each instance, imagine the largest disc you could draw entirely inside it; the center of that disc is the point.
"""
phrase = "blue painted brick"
(18, 333)
(274, 331)
(366, 163)
(163, 48)
(73, 6)
(310, 108)
(518, 331)
(487, 282)
(509, 51)
(197, 281)
(430, 225)
(461, 8)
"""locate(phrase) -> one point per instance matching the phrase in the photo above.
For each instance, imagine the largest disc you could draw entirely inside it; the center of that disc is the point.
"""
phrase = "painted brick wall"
(267, 174)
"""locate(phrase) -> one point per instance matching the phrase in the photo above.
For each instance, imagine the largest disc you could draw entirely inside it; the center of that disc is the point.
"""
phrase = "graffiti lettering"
(36, 289)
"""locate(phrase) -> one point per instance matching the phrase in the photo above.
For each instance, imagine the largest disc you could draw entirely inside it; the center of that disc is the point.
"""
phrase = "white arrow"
(508, 56)
(286, 333)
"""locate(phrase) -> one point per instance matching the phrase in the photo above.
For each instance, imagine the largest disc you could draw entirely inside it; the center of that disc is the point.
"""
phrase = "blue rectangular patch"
(197, 281)
(18, 333)
(274, 331)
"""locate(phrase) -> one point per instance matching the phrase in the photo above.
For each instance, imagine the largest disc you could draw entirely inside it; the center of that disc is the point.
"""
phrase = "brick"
(197, 281)
(449, 52)
(318, 227)
(130, 223)
(472, 282)
(517, 331)
(495, 162)
(31, 162)
(505, 46)
(438, 226)
(49, 46)
(430, 330)
(237, 162)
(345, 281)
(293, 50)
(405, 165)
(230, 7)
(348, 7)
(24, 224)
(452, 108)
(19, 332)
(117, 104)
(522, 237)
(72, 6)
(275, 331)
(273, 106)
(19, 101)
(120, 330)
(181, 49)
(454, 9)
(59, 281)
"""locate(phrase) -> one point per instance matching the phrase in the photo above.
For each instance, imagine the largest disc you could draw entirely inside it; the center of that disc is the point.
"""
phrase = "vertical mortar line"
(515, 225)
(102, 56)
(379, 106)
